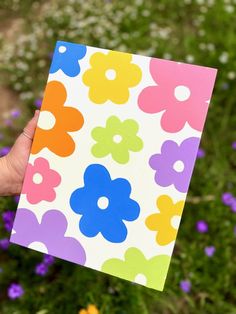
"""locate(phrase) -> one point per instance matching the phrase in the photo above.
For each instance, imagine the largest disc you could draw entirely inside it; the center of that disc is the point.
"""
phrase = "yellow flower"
(110, 77)
(91, 309)
(162, 222)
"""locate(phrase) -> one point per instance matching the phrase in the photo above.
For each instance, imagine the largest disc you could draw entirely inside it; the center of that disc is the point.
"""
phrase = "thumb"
(24, 141)
(19, 154)
(31, 125)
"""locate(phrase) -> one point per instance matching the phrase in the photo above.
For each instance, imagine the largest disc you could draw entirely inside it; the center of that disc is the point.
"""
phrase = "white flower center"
(141, 279)
(62, 49)
(37, 178)
(46, 120)
(110, 74)
(175, 221)
(182, 92)
(38, 246)
(103, 202)
(178, 166)
(117, 138)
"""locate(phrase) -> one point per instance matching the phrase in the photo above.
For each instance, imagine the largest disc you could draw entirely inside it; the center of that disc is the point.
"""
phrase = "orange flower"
(55, 121)
(91, 309)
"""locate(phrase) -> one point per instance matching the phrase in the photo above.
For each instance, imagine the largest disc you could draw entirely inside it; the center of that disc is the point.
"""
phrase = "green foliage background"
(199, 32)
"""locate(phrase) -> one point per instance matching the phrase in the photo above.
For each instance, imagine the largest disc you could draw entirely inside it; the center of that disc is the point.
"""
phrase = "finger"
(31, 125)
(24, 140)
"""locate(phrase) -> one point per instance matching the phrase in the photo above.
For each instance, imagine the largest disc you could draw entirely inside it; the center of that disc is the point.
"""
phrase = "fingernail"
(36, 113)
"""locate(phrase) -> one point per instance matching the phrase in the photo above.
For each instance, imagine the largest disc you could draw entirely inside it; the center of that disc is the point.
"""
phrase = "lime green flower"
(148, 272)
(117, 139)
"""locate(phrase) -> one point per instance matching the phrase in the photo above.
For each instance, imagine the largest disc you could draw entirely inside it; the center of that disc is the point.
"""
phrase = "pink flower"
(40, 181)
(183, 92)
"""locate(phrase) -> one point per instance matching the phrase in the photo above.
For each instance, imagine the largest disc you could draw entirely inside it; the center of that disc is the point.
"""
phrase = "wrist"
(9, 184)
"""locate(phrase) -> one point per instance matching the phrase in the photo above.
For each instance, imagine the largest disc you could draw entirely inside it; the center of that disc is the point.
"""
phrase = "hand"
(13, 165)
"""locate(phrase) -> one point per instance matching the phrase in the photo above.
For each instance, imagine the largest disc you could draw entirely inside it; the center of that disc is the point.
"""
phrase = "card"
(111, 160)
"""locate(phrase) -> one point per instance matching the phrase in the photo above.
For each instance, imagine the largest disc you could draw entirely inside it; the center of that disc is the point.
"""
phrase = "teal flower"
(117, 139)
(135, 267)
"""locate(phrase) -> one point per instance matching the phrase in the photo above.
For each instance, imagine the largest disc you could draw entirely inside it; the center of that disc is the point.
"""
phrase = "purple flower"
(185, 285)
(15, 113)
(4, 150)
(15, 291)
(234, 145)
(4, 244)
(202, 226)
(48, 259)
(8, 218)
(50, 232)
(227, 198)
(233, 205)
(41, 269)
(8, 122)
(38, 103)
(200, 153)
(8, 226)
(17, 198)
(209, 250)
(174, 165)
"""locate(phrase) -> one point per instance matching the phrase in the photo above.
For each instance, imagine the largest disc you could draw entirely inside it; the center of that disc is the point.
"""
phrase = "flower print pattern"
(131, 106)
(55, 121)
(104, 204)
(66, 58)
(50, 232)
(136, 267)
(174, 165)
(117, 139)
(182, 92)
(40, 182)
(162, 222)
(111, 76)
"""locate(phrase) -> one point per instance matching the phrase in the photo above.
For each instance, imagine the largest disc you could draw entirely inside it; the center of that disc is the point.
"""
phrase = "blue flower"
(104, 204)
(66, 57)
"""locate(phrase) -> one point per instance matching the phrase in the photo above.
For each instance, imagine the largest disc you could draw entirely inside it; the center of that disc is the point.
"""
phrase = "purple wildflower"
(8, 122)
(227, 198)
(41, 269)
(4, 244)
(8, 217)
(48, 259)
(209, 250)
(15, 113)
(4, 150)
(8, 226)
(202, 226)
(200, 153)
(17, 198)
(185, 285)
(233, 205)
(38, 103)
(15, 291)
(234, 145)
